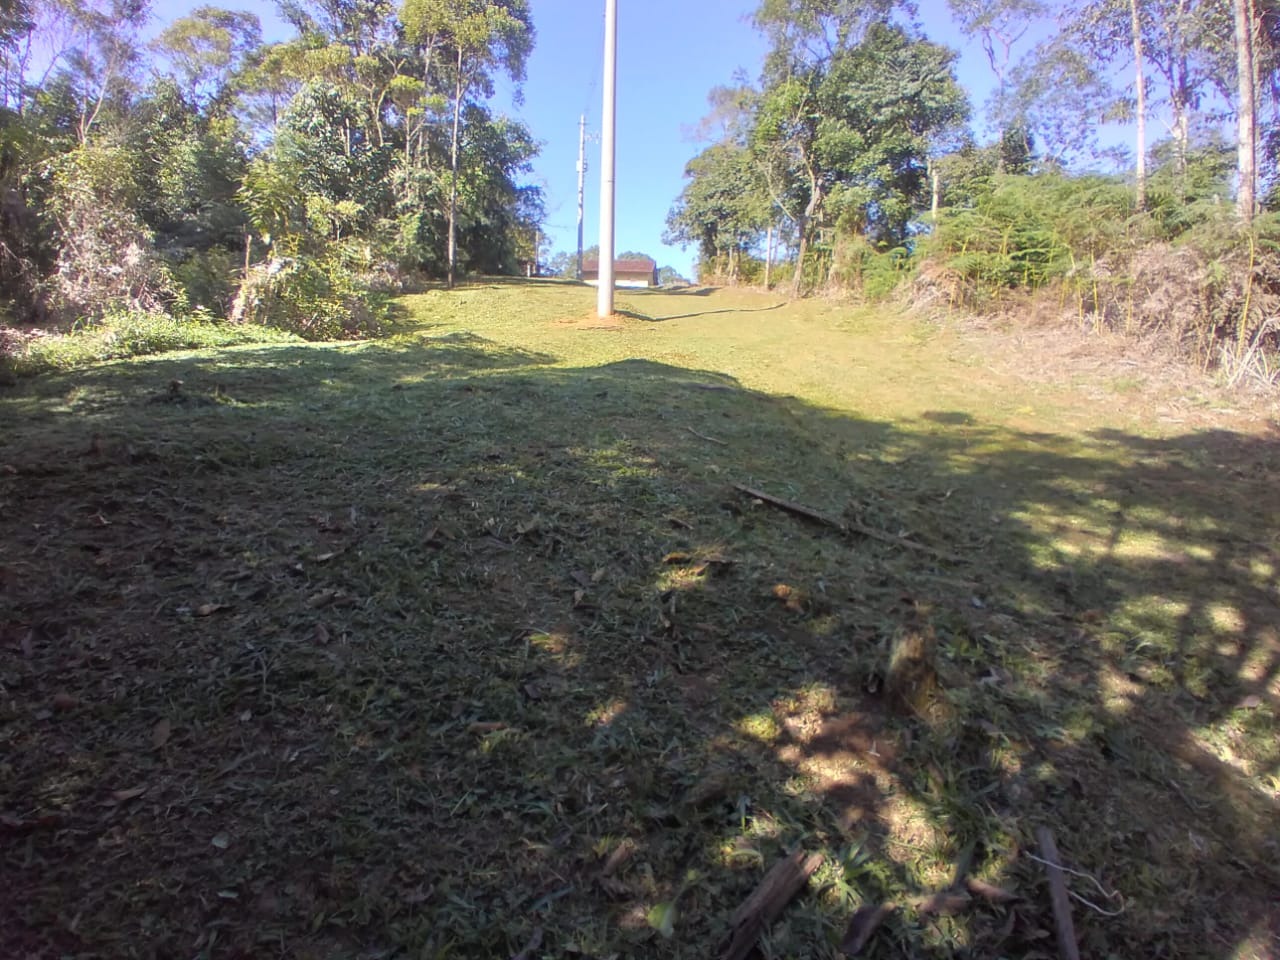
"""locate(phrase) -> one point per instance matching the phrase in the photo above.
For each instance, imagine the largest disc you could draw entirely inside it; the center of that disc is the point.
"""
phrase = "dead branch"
(1058, 895)
(703, 436)
(784, 880)
(990, 892)
(846, 527)
(864, 922)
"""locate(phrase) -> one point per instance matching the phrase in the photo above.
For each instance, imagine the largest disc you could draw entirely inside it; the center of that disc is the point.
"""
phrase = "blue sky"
(670, 54)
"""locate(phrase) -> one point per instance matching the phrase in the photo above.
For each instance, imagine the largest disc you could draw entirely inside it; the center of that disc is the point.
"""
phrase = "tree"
(481, 37)
(885, 106)
(785, 141)
(999, 26)
(723, 207)
(808, 34)
(207, 47)
(856, 133)
(1140, 88)
(1246, 109)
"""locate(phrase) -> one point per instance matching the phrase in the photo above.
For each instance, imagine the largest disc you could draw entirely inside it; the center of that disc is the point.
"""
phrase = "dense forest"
(201, 172)
(854, 156)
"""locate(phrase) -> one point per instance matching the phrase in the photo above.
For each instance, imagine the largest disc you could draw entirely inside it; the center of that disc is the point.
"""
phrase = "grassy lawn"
(462, 641)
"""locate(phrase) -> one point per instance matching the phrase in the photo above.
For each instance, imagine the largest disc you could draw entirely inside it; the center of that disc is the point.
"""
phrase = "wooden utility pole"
(608, 158)
(582, 184)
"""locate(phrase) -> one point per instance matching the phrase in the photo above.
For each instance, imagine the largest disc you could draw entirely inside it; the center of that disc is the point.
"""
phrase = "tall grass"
(1185, 271)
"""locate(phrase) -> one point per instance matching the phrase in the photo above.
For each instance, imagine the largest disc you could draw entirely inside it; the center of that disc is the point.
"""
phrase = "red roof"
(622, 266)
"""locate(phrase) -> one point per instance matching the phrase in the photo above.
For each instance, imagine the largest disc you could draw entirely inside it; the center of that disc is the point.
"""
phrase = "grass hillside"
(467, 643)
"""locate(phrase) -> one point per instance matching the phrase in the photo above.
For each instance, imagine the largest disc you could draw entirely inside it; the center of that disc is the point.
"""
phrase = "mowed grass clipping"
(463, 643)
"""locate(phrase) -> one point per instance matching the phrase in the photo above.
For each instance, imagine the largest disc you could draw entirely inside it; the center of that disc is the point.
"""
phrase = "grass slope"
(416, 647)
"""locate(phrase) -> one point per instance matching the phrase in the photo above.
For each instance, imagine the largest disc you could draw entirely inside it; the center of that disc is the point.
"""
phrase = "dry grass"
(415, 647)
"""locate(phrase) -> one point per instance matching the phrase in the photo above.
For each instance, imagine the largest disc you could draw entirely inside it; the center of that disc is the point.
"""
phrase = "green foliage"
(723, 206)
(204, 48)
(873, 274)
(341, 293)
(883, 106)
(106, 256)
(1187, 272)
(131, 333)
(329, 155)
(206, 280)
(1027, 231)
(353, 127)
(193, 163)
(670, 277)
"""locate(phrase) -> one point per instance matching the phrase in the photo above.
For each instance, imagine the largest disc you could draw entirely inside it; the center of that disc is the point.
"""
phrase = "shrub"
(106, 255)
(857, 267)
(340, 294)
(124, 333)
(1193, 276)
(206, 280)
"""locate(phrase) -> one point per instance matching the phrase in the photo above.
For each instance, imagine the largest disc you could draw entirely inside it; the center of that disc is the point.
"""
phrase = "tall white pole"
(608, 158)
(582, 185)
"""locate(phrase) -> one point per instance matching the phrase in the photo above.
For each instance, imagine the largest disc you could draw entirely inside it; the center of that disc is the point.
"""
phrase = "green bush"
(873, 274)
(1029, 231)
(130, 333)
(206, 279)
(341, 294)
(1188, 272)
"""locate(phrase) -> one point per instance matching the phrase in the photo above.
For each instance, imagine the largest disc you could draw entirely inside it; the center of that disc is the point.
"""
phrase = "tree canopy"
(362, 147)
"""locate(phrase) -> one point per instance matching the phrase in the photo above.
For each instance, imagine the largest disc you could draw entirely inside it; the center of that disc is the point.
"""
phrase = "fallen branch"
(790, 506)
(864, 922)
(1058, 895)
(784, 880)
(989, 892)
(846, 527)
(703, 436)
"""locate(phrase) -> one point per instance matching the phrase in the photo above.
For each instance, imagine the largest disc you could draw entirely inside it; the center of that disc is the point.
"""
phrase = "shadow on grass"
(388, 649)
(634, 315)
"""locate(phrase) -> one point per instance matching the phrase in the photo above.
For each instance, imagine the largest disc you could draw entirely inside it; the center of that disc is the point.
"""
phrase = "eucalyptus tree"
(1000, 27)
(1244, 16)
(481, 37)
(204, 50)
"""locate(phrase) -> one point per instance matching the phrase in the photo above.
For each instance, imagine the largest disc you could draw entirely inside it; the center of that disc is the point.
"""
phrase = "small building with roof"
(636, 272)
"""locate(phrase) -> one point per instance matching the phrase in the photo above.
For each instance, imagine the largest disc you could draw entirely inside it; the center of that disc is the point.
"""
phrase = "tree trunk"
(1181, 139)
(768, 255)
(804, 225)
(1246, 110)
(935, 193)
(453, 185)
(1140, 200)
(802, 246)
